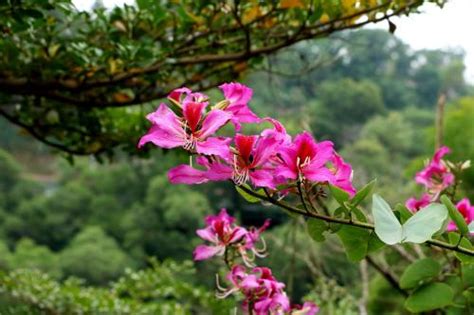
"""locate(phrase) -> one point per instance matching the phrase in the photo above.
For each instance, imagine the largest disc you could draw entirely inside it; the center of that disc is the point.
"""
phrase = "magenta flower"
(305, 158)
(238, 96)
(253, 235)
(414, 204)
(278, 132)
(260, 289)
(248, 161)
(436, 176)
(248, 250)
(467, 210)
(342, 175)
(193, 131)
(221, 233)
(184, 94)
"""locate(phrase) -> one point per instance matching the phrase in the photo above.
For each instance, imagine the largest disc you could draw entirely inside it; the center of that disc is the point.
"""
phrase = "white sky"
(435, 28)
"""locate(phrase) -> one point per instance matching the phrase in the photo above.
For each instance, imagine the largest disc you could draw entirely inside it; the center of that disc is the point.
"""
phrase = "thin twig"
(387, 275)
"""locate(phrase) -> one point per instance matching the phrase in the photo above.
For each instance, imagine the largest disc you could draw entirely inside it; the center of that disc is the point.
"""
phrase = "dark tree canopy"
(70, 78)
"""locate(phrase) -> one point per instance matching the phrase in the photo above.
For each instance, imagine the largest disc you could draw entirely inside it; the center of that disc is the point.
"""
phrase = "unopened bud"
(174, 102)
(450, 165)
(222, 105)
(465, 165)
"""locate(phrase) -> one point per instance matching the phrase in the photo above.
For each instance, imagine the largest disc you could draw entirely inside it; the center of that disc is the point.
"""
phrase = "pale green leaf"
(422, 225)
(387, 227)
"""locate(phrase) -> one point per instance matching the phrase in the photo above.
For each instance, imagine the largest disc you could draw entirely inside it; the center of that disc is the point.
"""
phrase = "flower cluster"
(436, 177)
(270, 159)
(228, 239)
(262, 293)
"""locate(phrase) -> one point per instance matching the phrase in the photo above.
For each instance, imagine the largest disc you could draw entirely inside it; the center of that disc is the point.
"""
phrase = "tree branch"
(387, 275)
(362, 225)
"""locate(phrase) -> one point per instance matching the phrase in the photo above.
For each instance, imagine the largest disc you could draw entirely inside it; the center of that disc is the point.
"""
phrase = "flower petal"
(166, 131)
(219, 172)
(264, 149)
(237, 234)
(245, 115)
(192, 112)
(321, 174)
(215, 146)
(185, 174)
(262, 178)
(203, 252)
(207, 234)
(175, 95)
(236, 93)
(167, 120)
(161, 138)
(213, 121)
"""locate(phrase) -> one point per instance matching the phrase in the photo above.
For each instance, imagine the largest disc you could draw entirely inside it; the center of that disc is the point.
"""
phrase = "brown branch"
(387, 274)
(49, 89)
(43, 139)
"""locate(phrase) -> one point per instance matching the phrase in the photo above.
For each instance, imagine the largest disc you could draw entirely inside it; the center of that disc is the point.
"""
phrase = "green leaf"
(374, 243)
(455, 215)
(405, 214)
(468, 275)
(355, 241)
(316, 229)
(454, 282)
(335, 227)
(318, 12)
(430, 297)
(454, 239)
(359, 214)
(246, 196)
(363, 193)
(341, 212)
(340, 195)
(418, 272)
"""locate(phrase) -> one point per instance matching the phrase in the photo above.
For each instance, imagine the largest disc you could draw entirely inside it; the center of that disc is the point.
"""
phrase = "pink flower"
(238, 96)
(251, 159)
(184, 94)
(260, 289)
(192, 131)
(253, 235)
(436, 176)
(221, 233)
(414, 204)
(342, 175)
(248, 161)
(278, 132)
(308, 308)
(248, 250)
(305, 158)
(467, 210)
